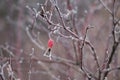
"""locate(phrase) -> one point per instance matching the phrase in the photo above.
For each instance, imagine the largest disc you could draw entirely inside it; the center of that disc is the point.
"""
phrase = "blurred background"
(26, 57)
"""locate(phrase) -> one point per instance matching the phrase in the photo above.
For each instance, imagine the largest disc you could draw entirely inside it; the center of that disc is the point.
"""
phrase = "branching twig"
(115, 44)
(33, 40)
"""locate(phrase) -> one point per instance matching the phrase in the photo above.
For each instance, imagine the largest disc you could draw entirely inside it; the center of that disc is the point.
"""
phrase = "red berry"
(50, 43)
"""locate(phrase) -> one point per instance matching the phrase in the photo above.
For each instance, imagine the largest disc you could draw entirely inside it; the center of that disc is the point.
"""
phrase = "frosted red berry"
(50, 43)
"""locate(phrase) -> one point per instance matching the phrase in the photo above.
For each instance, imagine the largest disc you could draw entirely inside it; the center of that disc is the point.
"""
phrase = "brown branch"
(114, 47)
(95, 58)
(81, 48)
(115, 43)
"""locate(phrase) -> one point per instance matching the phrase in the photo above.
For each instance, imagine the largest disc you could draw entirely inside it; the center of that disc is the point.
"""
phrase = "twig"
(2, 70)
(82, 45)
(77, 52)
(115, 44)
(33, 40)
(114, 47)
(93, 50)
(111, 69)
(63, 24)
(95, 58)
(109, 11)
(11, 74)
(6, 48)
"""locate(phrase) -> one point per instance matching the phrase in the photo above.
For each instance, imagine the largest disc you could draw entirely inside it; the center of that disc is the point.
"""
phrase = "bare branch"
(33, 40)
(105, 6)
